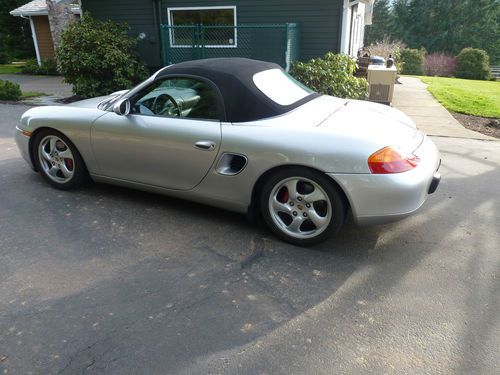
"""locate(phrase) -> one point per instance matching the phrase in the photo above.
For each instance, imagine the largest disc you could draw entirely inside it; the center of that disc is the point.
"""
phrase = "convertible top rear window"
(280, 87)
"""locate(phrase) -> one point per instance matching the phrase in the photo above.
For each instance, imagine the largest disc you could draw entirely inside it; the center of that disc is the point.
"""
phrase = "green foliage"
(442, 26)
(413, 61)
(15, 33)
(4, 54)
(331, 75)
(48, 67)
(98, 58)
(9, 90)
(473, 63)
(399, 18)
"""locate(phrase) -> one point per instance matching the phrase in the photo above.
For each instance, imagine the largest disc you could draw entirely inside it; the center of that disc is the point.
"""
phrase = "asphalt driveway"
(110, 280)
(50, 85)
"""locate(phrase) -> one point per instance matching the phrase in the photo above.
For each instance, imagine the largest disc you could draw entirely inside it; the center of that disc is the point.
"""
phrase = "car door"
(170, 138)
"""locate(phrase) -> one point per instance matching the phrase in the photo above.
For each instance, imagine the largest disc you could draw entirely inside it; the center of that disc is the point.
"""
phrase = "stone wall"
(60, 15)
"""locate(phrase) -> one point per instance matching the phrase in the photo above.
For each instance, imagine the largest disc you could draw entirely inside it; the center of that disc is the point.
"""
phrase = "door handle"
(205, 145)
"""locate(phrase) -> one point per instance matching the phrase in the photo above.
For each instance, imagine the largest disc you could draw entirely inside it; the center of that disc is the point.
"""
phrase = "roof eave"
(29, 13)
(39, 12)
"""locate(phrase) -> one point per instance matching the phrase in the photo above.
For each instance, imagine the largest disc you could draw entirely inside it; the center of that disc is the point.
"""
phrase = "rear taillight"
(388, 160)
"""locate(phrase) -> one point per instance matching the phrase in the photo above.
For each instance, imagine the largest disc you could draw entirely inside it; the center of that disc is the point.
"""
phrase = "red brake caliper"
(69, 164)
(283, 195)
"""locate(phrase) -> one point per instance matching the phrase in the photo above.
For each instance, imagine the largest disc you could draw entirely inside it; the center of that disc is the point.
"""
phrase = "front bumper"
(383, 198)
(23, 143)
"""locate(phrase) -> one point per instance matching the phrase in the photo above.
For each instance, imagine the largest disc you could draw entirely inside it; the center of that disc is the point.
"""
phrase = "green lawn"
(32, 94)
(10, 68)
(477, 98)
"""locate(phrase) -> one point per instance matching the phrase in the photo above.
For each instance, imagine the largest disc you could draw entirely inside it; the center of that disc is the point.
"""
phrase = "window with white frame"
(218, 25)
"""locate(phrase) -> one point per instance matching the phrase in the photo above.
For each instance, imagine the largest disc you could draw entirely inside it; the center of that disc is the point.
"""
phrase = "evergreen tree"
(15, 32)
(399, 20)
(480, 28)
(448, 25)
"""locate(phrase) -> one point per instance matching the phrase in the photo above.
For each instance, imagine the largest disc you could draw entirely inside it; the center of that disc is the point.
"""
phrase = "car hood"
(379, 124)
(89, 103)
(95, 102)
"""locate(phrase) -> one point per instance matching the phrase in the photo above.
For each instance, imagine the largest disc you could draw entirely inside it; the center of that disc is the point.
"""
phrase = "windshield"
(280, 87)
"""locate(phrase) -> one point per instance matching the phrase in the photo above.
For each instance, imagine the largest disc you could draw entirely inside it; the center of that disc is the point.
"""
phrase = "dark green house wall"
(140, 16)
(319, 20)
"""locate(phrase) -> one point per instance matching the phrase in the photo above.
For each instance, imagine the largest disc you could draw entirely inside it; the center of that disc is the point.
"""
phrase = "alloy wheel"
(300, 207)
(56, 159)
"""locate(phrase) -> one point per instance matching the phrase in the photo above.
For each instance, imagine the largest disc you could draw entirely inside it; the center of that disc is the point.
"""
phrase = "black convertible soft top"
(243, 101)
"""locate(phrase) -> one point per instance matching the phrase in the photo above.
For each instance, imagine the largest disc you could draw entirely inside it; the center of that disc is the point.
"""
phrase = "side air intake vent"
(231, 164)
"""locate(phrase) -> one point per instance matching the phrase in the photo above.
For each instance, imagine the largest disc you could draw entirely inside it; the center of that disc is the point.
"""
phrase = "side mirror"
(122, 107)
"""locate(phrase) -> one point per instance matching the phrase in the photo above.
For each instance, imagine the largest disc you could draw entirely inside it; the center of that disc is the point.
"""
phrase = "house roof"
(38, 8)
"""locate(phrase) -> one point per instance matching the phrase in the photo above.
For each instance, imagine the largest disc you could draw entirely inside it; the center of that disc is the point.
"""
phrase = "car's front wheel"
(58, 160)
(302, 206)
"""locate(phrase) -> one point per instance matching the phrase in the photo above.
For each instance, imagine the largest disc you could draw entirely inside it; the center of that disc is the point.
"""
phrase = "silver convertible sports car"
(245, 136)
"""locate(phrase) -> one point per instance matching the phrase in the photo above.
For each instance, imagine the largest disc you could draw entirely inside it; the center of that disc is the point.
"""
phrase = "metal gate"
(278, 43)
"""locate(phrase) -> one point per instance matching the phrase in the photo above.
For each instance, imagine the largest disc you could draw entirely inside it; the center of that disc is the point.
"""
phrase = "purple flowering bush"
(440, 64)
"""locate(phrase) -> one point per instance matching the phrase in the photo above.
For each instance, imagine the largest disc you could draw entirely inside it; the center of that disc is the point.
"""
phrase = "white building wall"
(353, 25)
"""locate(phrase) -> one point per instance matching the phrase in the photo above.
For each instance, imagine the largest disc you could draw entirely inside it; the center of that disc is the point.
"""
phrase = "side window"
(177, 97)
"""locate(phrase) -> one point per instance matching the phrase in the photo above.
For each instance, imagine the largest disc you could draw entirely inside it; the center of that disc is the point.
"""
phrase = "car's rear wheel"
(302, 206)
(58, 160)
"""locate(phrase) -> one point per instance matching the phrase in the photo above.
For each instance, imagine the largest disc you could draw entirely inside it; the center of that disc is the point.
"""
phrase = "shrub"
(30, 67)
(48, 67)
(4, 57)
(331, 75)
(4, 54)
(473, 63)
(386, 47)
(413, 61)
(99, 57)
(440, 64)
(9, 91)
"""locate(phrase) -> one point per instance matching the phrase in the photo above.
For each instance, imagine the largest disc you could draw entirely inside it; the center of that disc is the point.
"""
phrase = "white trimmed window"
(219, 25)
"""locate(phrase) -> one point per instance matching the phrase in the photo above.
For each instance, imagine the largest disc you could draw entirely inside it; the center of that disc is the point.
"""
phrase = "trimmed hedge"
(9, 91)
(331, 75)
(473, 63)
(98, 57)
(413, 61)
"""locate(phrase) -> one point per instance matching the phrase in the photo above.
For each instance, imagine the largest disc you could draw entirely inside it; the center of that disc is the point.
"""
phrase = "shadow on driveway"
(110, 280)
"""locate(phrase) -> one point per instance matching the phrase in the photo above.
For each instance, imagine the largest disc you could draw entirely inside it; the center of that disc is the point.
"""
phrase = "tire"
(302, 207)
(58, 160)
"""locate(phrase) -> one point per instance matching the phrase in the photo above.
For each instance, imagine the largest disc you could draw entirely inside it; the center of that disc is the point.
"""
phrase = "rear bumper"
(378, 199)
(436, 179)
